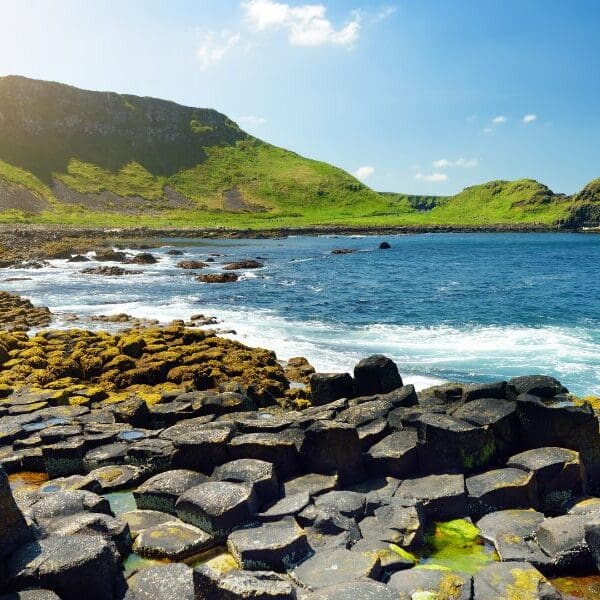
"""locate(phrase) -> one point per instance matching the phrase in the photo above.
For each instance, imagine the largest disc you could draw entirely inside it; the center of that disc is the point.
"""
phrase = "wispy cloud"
(364, 172)
(251, 120)
(499, 120)
(213, 47)
(306, 24)
(487, 130)
(435, 177)
(465, 163)
(530, 118)
(384, 13)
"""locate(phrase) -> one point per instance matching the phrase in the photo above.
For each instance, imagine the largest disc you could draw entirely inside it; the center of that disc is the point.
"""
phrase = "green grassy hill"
(78, 157)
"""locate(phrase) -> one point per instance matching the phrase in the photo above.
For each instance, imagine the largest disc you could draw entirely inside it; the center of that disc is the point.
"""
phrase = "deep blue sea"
(467, 307)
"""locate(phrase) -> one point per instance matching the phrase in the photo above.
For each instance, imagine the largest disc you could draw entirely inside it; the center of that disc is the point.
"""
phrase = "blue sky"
(414, 96)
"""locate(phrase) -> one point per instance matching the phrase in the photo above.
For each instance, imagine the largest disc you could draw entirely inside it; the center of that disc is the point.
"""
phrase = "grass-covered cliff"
(78, 157)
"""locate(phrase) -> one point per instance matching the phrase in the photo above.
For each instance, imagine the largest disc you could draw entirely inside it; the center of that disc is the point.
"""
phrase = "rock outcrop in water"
(348, 498)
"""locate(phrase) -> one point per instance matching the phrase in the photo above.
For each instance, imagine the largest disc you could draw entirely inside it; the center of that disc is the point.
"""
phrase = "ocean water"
(464, 307)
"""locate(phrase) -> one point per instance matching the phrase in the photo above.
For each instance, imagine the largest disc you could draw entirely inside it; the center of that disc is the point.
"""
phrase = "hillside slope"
(99, 158)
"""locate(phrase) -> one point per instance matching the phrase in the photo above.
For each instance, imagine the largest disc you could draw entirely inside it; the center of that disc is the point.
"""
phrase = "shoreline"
(40, 242)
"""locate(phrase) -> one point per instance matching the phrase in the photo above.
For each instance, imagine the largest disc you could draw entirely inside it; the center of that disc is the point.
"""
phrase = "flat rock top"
(513, 579)
(217, 497)
(518, 522)
(138, 520)
(395, 444)
(244, 469)
(432, 486)
(163, 582)
(356, 590)
(538, 458)
(431, 583)
(497, 479)
(334, 567)
(174, 482)
(267, 536)
(57, 553)
(313, 484)
(485, 411)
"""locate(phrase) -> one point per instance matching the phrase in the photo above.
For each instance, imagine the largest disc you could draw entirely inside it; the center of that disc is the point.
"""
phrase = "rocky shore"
(41, 242)
(167, 462)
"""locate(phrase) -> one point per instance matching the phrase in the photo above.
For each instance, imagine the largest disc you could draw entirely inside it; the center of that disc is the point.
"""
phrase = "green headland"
(84, 158)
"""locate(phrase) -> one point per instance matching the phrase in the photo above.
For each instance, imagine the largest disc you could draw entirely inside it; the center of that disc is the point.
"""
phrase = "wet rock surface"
(172, 445)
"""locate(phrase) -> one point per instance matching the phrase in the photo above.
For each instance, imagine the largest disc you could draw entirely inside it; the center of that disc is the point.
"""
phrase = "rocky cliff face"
(104, 128)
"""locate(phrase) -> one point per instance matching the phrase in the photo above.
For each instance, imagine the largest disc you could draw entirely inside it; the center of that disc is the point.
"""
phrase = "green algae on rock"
(457, 546)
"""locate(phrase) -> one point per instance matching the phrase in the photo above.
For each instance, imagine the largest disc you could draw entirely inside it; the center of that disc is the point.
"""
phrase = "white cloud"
(306, 25)
(214, 47)
(364, 172)
(251, 120)
(529, 118)
(432, 177)
(499, 120)
(384, 13)
(487, 130)
(465, 163)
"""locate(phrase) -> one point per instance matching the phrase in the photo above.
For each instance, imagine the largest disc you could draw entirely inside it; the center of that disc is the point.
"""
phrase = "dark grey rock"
(163, 582)
(559, 475)
(138, 520)
(497, 414)
(536, 385)
(334, 567)
(111, 454)
(152, 454)
(376, 374)
(287, 506)
(564, 540)
(443, 496)
(327, 387)
(391, 562)
(513, 534)
(161, 491)
(259, 473)
(74, 567)
(62, 504)
(117, 477)
(592, 538)
(36, 594)
(277, 546)
(14, 531)
(90, 523)
(395, 455)
(278, 449)
(218, 507)
(561, 423)
(449, 445)
(172, 540)
(201, 449)
(241, 585)
(312, 483)
(501, 489)
(355, 590)
(349, 504)
(513, 579)
(430, 583)
(330, 446)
